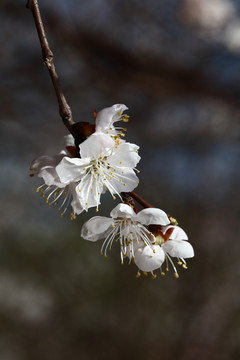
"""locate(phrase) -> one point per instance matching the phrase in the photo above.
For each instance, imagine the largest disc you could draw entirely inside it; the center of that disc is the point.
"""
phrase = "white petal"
(124, 156)
(129, 181)
(51, 177)
(152, 216)
(120, 107)
(88, 193)
(97, 228)
(147, 260)
(177, 234)
(122, 211)
(45, 161)
(76, 202)
(71, 169)
(69, 140)
(178, 248)
(106, 117)
(97, 144)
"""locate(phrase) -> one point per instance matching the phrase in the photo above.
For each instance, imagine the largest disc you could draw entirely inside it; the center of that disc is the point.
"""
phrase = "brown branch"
(140, 200)
(64, 108)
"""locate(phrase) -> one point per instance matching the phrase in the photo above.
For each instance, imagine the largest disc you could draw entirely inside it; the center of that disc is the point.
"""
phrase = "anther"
(176, 275)
(184, 266)
(138, 274)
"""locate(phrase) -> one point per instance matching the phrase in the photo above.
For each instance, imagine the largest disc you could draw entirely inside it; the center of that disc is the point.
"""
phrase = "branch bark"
(64, 108)
(140, 200)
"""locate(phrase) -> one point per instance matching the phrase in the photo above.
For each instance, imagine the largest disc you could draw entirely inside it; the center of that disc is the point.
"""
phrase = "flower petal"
(119, 108)
(153, 216)
(71, 169)
(45, 161)
(148, 260)
(89, 192)
(69, 140)
(122, 181)
(123, 211)
(98, 227)
(177, 234)
(50, 177)
(97, 144)
(76, 202)
(125, 156)
(106, 117)
(178, 248)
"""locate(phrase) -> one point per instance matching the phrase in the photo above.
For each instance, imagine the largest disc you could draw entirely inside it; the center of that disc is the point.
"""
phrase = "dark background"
(176, 65)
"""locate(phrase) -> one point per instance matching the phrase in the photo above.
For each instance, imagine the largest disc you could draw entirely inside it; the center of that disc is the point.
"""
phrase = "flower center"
(130, 235)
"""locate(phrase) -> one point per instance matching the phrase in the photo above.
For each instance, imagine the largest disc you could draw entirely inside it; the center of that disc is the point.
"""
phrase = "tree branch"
(64, 108)
(140, 200)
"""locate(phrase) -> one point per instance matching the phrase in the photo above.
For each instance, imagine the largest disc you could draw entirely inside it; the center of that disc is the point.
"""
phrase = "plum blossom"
(173, 241)
(127, 227)
(102, 165)
(107, 117)
(53, 190)
(177, 246)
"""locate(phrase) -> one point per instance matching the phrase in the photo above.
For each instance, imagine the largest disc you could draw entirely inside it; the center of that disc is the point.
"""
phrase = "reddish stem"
(140, 200)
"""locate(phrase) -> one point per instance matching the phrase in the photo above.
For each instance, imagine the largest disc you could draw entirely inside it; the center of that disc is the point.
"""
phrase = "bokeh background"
(176, 65)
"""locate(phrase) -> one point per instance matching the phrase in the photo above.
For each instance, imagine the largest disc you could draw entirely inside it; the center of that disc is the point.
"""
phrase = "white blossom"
(175, 245)
(127, 227)
(54, 191)
(108, 116)
(102, 165)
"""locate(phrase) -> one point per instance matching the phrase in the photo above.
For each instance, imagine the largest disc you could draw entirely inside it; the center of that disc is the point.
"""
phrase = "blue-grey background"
(176, 65)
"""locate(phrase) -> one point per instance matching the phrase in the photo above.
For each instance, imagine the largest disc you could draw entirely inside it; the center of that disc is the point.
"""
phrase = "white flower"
(103, 165)
(53, 190)
(149, 258)
(108, 116)
(127, 227)
(176, 245)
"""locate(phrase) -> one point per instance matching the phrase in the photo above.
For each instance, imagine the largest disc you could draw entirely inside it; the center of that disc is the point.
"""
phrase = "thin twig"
(140, 200)
(64, 108)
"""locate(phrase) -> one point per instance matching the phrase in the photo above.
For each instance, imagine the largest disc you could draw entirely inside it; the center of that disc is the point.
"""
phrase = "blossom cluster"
(104, 161)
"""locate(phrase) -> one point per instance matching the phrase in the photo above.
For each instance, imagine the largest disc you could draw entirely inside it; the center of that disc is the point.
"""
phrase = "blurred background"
(176, 65)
